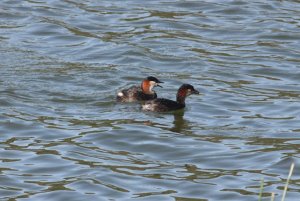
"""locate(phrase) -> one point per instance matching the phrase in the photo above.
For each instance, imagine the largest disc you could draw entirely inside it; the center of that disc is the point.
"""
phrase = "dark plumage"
(154, 79)
(142, 93)
(164, 105)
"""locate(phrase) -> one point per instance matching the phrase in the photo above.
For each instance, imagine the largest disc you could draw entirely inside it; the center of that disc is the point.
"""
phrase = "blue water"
(63, 136)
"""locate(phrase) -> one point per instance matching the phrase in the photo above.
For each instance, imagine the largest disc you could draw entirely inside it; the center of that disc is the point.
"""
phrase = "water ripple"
(64, 137)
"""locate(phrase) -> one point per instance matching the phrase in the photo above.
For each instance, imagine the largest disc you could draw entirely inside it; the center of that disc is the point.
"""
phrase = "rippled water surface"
(63, 136)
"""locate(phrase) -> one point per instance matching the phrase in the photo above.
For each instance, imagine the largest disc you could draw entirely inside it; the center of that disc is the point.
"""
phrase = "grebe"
(165, 105)
(142, 93)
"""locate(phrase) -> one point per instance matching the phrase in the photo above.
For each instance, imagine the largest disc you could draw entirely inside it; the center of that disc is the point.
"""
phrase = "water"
(63, 137)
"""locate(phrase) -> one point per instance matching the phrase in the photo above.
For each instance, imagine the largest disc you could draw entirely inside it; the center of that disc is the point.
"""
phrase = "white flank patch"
(148, 107)
(120, 94)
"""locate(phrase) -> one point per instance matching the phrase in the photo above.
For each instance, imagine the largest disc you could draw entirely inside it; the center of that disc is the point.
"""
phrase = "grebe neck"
(146, 87)
(181, 95)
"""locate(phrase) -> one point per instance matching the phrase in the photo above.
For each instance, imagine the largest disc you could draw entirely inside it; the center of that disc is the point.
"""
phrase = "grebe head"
(149, 83)
(184, 91)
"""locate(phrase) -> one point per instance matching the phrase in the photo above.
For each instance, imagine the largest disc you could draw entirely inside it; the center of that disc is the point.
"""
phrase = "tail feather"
(120, 94)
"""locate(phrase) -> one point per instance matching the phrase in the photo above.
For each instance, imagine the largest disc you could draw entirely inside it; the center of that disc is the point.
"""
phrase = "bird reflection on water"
(179, 123)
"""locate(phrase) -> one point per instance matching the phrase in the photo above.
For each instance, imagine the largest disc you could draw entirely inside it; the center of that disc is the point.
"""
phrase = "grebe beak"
(157, 83)
(195, 92)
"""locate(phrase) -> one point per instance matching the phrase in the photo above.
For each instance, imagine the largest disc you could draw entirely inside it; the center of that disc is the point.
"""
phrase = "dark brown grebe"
(165, 105)
(142, 93)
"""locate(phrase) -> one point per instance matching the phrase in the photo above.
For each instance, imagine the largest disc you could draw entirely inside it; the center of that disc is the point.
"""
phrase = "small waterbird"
(165, 105)
(143, 93)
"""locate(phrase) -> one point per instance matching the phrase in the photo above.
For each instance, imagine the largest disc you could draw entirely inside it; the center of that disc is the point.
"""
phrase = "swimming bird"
(165, 105)
(142, 93)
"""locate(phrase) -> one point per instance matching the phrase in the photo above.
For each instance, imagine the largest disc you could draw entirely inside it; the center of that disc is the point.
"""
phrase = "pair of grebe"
(146, 93)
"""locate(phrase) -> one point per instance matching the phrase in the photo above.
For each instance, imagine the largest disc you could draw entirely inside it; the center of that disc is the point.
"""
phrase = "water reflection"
(63, 138)
(179, 123)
